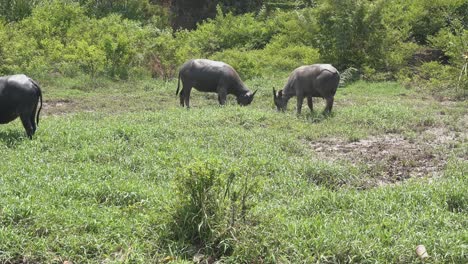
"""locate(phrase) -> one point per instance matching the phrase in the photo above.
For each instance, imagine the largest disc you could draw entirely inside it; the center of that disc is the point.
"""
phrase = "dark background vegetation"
(420, 42)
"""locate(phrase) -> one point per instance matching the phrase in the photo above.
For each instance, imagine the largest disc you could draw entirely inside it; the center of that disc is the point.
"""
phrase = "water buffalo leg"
(222, 95)
(310, 103)
(33, 119)
(300, 100)
(329, 106)
(187, 91)
(26, 120)
(181, 97)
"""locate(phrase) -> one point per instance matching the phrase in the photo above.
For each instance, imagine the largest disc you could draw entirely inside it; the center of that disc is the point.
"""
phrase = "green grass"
(99, 183)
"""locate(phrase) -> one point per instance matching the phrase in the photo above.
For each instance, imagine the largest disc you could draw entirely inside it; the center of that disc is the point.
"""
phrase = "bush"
(444, 80)
(231, 32)
(452, 40)
(120, 41)
(213, 202)
(36, 45)
(247, 63)
(59, 38)
(16, 10)
(273, 59)
(439, 80)
(3, 38)
(284, 57)
(295, 28)
(352, 33)
(167, 51)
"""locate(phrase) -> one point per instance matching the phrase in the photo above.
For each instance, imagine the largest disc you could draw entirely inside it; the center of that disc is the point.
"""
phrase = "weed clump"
(213, 202)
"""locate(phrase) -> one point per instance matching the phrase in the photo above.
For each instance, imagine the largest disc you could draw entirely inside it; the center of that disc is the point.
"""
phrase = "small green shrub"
(213, 202)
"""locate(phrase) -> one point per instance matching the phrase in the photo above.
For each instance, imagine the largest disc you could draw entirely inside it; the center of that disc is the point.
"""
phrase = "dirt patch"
(59, 107)
(439, 136)
(386, 159)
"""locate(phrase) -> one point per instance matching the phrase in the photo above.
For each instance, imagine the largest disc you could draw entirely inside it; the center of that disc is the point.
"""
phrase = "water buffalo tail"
(39, 93)
(178, 86)
(337, 76)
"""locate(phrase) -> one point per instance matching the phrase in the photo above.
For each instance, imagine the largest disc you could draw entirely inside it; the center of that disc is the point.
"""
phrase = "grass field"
(119, 173)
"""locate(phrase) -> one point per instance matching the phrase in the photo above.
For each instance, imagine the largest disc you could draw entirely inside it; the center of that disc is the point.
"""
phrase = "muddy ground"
(391, 158)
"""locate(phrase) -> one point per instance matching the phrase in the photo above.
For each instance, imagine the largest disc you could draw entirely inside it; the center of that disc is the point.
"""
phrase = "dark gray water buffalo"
(212, 76)
(317, 80)
(20, 96)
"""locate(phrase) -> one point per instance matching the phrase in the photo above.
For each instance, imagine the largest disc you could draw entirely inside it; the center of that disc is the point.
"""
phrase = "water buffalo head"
(280, 100)
(246, 99)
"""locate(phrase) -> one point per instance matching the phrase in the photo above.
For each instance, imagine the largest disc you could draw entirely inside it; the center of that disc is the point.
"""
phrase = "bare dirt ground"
(104, 103)
(59, 107)
(391, 158)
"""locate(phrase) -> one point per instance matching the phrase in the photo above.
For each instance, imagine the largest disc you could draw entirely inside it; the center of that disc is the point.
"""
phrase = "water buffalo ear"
(274, 93)
(254, 93)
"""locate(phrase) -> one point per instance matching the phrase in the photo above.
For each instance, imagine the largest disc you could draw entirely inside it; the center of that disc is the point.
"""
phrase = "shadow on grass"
(11, 138)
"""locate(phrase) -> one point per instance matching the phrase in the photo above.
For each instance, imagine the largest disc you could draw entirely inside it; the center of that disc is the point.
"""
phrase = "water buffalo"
(212, 76)
(317, 80)
(19, 96)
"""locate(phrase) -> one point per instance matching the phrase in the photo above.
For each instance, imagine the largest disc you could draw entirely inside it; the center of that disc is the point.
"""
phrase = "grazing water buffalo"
(317, 80)
(19, 96)
(212, 76)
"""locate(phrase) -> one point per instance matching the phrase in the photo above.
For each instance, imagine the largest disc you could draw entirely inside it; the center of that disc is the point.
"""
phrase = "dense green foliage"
(129, 177)
(418, 42)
